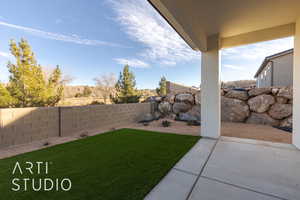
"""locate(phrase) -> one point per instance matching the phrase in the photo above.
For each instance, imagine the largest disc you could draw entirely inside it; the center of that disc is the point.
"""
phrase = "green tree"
(126, 91)
(162, 89)
(54, 88)
(27, 81)
(6, 100)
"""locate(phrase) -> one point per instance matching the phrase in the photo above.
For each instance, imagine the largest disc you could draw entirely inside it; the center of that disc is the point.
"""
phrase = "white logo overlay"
(37, 184)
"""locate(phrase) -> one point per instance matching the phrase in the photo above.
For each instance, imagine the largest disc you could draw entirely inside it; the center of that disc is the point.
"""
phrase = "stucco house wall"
(276, 71)
(283, 70)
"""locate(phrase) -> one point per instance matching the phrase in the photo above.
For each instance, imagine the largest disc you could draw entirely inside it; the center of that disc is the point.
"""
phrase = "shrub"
(97, 103)
(166, 123)
(193, 123)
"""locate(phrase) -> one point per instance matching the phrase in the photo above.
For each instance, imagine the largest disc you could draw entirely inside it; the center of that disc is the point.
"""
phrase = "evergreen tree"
(27, 82)
(126, 91)
(162, 89)
(6, 100)
(54, 89)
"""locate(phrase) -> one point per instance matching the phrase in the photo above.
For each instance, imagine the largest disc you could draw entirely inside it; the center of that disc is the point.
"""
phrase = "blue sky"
(90, 38)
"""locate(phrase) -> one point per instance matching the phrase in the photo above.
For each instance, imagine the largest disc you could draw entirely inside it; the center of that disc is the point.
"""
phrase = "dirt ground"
(249, 131)
(240, 130)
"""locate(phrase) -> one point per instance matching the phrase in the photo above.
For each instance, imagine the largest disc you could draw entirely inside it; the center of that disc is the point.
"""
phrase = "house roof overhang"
(235, 22)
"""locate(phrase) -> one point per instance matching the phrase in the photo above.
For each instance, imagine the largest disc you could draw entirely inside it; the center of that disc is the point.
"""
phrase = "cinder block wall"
(85, 119)
(25, 125)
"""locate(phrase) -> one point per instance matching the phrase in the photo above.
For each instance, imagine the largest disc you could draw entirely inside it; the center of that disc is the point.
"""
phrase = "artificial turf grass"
(123, 164)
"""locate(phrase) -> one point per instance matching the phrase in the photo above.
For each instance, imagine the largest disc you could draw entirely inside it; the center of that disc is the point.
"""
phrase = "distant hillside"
(70, 93)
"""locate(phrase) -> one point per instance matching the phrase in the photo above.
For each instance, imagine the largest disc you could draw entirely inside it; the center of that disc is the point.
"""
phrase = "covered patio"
(210, 26)
(230, 168)
(233, 169)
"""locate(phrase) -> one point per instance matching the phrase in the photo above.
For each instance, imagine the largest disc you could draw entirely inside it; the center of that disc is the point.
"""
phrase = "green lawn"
(122, 164)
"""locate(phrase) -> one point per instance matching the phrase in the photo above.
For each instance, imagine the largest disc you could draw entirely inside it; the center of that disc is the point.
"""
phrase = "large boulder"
(286, 93)
(288, 122)
(196, 112)
(262, 118)
(198, 98)
(185, 97)
(275, 91)
(157, 115)
(170, 98)
(186, 117)
(164, 107)
(237, 94)
(259, 91)
(280, 111)
(234, 110)
(150, 99)
(261, 103)
(171, 116)
(281, 100)
(180, 107)
(156, 99)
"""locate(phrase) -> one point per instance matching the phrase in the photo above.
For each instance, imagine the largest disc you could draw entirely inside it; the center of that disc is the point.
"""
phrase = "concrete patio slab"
(264, 168)
(259, 142)
(207, 189)
(176, 185)
(195, 159)
(233, 169)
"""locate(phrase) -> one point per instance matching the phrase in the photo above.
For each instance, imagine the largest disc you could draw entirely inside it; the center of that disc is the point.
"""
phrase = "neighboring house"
(276, 70)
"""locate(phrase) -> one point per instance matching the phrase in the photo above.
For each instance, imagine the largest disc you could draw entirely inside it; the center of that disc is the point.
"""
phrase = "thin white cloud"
(4, 54)
(167, 62)
(234, 67)
(143, 24)
(60, 37)
(132, 62)
(259, 50)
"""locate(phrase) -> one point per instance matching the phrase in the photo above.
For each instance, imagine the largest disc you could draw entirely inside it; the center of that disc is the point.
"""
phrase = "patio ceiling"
(237, 22)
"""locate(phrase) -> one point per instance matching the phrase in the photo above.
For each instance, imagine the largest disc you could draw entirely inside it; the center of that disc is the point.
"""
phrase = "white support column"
(210, 90)
(296, 89)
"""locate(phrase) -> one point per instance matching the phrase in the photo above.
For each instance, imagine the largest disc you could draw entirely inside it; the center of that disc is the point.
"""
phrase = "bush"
(166, 123)
(193, 123)
(126, 99)
(97, 103)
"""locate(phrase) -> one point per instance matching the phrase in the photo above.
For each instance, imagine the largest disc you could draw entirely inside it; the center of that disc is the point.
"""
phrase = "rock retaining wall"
(269, 106)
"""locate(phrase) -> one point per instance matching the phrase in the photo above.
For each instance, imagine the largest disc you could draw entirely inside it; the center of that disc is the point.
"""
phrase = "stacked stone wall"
(269, 106)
